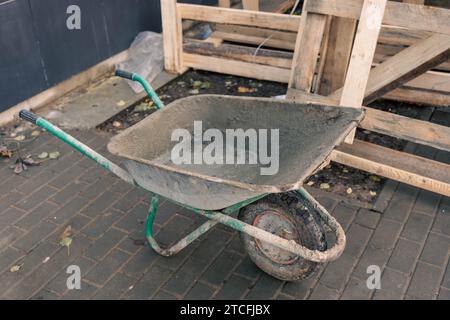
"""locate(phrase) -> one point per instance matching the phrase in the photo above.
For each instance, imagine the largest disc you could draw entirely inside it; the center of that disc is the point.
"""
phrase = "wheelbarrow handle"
(76, 144)
(147, 87)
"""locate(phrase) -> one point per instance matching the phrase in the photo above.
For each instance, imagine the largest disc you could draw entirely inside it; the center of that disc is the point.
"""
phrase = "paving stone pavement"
(409, 240)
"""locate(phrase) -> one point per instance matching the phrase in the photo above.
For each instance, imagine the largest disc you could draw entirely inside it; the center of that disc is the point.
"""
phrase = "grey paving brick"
(405, 255)
(140, 262)
(28, 263)
(99, 205)
(322, 292)
(446, 280)
(265, 288)
(105, 244)
(45, 294)
(69, 210)
(179, 259)
(67, 176)
(386, 234)
(427, 202)
(7, 257)
(134, 241)
(338, 272)
(367, 218)
(162, 295)
(68, 192)
(59, 283)
(401, 203)
(328, 202)
(234, 288)
(300, 290)
(371, 256)
(8, 199)
(442, 221)
(393, 285)
(76, 223)
(36, 235)
(417, 227)
(444, 294)
(36, 198)
(436, 250)
(248, 269)
(356, 290)
(200, 291)
(131, 199)
(9, 217)
(41, 212)
(197, 263)
(96, 187)
(116, 287)
(425, 282)
(101, 223)
(221, 268)
(236, 244)
(106, 268)
(9, 236)
(357, 239)
(45, 272)
(178, 227)
(134, 219)
(86, 292)
(147, 286)
(344, 214)
(37, 181)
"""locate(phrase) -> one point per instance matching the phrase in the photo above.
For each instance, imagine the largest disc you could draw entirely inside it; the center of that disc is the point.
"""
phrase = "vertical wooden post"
(172, 36)
(251, 5)
(337, 56)
(362, 55)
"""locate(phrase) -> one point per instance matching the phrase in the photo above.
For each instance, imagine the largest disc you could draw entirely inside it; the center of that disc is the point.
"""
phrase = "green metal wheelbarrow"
(283, 228)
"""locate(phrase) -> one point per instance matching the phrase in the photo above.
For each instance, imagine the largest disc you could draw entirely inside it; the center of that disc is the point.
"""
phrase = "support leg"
(183, 243)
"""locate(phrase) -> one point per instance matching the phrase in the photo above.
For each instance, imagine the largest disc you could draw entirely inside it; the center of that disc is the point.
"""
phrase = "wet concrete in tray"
(336, 178)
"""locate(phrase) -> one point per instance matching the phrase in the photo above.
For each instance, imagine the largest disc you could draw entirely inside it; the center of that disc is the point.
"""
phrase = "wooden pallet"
(346, 63)
(339, 52)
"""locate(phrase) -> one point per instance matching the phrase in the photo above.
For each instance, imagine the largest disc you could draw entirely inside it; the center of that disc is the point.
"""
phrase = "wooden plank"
(420, 97)
(406, 168)
(238, 68)
(273, 58)
(337, 58)
(406, 65)
(251, 5)
(307, 49)
(267, 20)
(388, 123)
(410, 16)
(172, 35)
(362, 56)
(256, 36)
(405, 128)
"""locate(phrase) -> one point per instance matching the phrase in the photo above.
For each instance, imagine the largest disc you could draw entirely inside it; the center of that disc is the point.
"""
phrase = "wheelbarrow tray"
(307, 135)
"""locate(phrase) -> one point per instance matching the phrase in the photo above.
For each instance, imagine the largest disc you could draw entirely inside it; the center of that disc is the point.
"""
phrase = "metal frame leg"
(183, 243)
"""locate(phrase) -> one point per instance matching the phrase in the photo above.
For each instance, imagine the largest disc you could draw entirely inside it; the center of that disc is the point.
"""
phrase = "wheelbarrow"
(283, 228)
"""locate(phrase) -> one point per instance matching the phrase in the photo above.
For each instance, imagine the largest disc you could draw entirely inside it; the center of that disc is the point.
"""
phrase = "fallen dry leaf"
(247, 90)
(16, 268)
(325, 186)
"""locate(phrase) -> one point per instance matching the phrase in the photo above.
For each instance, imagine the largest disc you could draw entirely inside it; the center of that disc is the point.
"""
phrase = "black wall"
(37, 50)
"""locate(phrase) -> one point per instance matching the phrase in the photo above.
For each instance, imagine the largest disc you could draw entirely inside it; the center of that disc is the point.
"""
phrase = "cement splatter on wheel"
(285, 216)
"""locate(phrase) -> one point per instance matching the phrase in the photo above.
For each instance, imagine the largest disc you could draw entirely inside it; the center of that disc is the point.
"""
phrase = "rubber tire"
(311, 235)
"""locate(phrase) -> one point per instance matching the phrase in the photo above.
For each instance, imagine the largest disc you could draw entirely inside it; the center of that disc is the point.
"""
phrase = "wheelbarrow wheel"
(285, 216)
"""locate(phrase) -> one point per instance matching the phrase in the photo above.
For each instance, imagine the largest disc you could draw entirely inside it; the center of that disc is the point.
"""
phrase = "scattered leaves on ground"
(5, 152)
(16, 268)
(121, 103)
(247, 90)
(325, 186)
(35, 133)
(54, 155)
(43, 155)
(20, 138)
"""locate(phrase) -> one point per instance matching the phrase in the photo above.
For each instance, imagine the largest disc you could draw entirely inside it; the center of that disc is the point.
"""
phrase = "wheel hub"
(279, 225)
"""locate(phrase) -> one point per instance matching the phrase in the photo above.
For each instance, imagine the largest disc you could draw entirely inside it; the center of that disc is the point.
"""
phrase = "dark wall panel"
(21, 71)
(38, 51)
